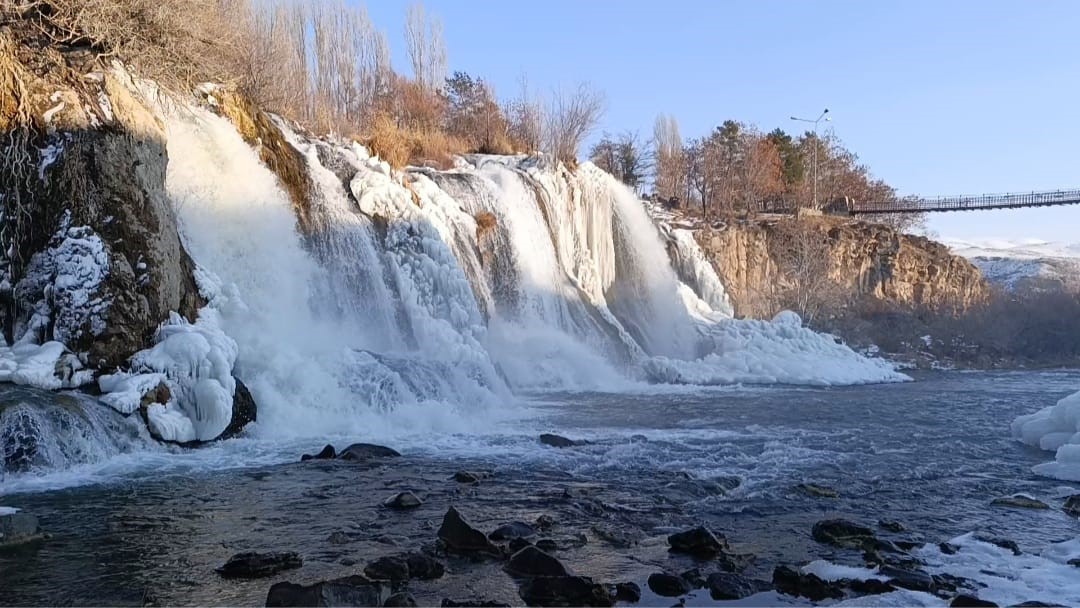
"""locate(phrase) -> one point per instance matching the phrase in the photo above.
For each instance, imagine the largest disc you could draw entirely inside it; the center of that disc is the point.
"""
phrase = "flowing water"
(931, 454)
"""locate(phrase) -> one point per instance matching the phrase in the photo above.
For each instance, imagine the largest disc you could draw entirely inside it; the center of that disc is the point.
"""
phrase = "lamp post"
(817, 143)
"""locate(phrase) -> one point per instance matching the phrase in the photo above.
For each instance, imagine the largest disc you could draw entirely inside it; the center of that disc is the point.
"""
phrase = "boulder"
(403, 501)
(564, 591)
(367, 451)
(424, 567)
(666, 584)
(1072, 505)
(842, 533)
(401, 600)
(353, 590)
(699, 542)
(729, 586)
(790, 581)
(258, 565)
(558, 441)
(531, 561)
(1019, 501)
(391, 568)
(891, 526)
(970, 601)
(244, 411)
(517, 544)
(915, 580)
(627, 592)
(512, 530)
(325, 454)
(816, 491)
(470, 476)
(459, 536)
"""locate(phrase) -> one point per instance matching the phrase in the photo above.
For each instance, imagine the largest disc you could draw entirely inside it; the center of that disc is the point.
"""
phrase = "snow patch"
(8, 511)
(49, 366)
(828, 571)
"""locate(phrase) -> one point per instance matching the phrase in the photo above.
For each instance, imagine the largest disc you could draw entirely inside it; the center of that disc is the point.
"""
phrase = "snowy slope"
(1023, 264)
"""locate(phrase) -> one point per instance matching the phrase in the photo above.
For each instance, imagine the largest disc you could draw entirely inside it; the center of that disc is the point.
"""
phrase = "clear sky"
(937, 97)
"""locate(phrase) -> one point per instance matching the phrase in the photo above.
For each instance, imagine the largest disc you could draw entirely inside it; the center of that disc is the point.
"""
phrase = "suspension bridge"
(915, 204)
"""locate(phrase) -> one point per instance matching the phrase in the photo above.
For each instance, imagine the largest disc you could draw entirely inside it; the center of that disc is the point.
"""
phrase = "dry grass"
(402, 146)
(485, 223)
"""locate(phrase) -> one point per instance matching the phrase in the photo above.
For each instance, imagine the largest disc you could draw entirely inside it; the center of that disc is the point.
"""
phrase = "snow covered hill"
(1024, 264)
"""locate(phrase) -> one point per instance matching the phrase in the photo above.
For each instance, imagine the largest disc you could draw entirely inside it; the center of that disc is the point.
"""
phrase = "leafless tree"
(670, 172)
(801, 251)
(525, 114)
(571, 116)
(427, 51)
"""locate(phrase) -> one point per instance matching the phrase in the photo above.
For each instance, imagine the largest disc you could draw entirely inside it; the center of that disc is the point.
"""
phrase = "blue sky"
(936, 97)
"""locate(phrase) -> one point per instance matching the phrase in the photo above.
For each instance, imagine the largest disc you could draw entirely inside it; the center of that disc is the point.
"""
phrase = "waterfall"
(425, 300)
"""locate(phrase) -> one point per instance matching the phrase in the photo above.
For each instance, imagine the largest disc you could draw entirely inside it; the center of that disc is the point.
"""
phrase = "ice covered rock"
(49, 366)
(1055, 428)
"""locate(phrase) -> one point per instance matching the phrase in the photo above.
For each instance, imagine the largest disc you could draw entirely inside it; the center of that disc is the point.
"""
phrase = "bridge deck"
(968, 203)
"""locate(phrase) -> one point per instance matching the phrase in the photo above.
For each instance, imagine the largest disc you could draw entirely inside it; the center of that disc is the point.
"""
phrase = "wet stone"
(915, 580)
(891, 526)
(531, 561)
(367, 451)
(348, 591)
(326, 454)
(1072, 505)
(970, 601)
(1019, 501)
(459, 536)
(699, 542)
(514, 529)
(558, 441)
(392, 568)
(666, 584)
(628, 592)
(402, 501)
(258, 565)
(817, 491)
(842, 533)
(402, 600)
(790, 581)
(473, 603)
(729, 586)
(564, 591)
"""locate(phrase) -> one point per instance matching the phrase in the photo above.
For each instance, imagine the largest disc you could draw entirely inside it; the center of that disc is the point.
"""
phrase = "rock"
(627, 592)
(402, 501)
(907, 545)
(18, 528)
(338, 538)
(558, 441)
(870, 586)
(948, 548)
(474, 603)
(1019, 501)
(424, 567)
(367, 451)
(353, 590)
(514, 529)
(469, 476)
(244, 411)
(531, 561)
(1072, 505)
(891, 526)
(669, 585)
(617, 536)
(1074, 562)
(699, 542)
(915, 580)
(517, 544)
(790, 581)
(817, 491)
(563, 542)
(326, 454)
(545, 522)
(461, 537)
(1004, 543)
(1036, 604)
(694, 577)
(391, 568)
(259, 565)
(969, 601)
(728, 586)
(842, 533)
(564, 591)
(401, 600)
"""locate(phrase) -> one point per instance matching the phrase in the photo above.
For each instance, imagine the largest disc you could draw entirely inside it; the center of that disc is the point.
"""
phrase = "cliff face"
(863, 260)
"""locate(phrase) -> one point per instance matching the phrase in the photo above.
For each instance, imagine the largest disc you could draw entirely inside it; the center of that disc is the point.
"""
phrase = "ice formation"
(1056, 429)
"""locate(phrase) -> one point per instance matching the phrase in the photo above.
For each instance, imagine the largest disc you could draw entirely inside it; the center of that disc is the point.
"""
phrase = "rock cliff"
(865, 260)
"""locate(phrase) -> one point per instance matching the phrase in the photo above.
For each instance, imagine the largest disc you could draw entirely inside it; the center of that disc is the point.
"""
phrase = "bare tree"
(525, 115)
(571, 116)
(427, 51)
(668, 154)
(801, 251)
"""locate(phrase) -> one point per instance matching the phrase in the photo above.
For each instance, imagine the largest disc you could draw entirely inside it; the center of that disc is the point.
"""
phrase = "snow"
(8, 511)
(195, 360)
(49, 155)
(1009, 579)
(1057, 429)
(1013, 263)
(901, 598)
(828, 571)
(49, 366)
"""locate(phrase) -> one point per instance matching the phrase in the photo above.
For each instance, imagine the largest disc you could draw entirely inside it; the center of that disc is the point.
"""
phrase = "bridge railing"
(961, 203)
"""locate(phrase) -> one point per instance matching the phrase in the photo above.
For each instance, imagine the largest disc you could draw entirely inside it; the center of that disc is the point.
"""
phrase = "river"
(148, 523)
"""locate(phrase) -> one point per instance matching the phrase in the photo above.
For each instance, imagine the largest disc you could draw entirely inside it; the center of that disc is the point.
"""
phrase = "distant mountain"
(1027, 264)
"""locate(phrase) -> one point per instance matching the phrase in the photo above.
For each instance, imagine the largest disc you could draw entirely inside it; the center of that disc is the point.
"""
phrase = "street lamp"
(817, 143)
